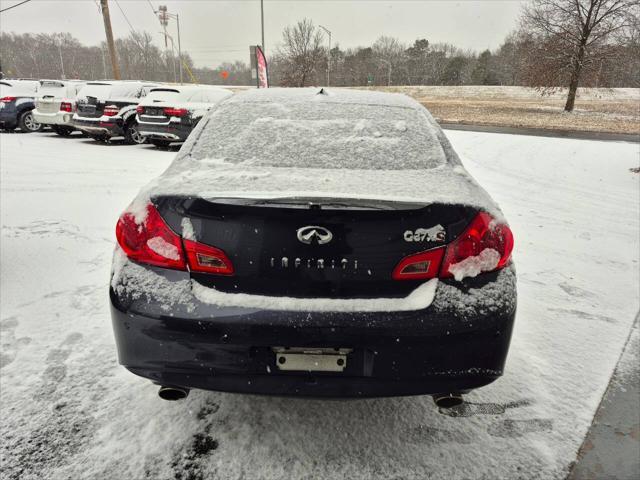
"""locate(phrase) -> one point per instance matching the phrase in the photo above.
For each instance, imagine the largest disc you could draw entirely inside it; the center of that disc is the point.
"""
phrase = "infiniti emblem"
(310, 233)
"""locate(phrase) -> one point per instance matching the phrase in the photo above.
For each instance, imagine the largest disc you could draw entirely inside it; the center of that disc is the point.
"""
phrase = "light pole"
(328, 54)
(164, 15)
(173, 55)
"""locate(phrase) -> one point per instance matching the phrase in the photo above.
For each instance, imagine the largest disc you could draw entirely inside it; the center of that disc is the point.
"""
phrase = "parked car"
(169, 114)
(56, 103)
(107, 109)
(326, 243)
(17, 101)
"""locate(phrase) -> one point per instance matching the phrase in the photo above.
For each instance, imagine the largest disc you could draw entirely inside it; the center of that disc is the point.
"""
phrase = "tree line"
(558, 43)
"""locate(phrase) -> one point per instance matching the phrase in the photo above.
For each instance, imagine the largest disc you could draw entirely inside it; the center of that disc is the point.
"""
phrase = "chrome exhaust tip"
(448, 400)
(173, 393)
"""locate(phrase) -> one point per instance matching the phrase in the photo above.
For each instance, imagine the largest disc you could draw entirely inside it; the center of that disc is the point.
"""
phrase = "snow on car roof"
(327, 95)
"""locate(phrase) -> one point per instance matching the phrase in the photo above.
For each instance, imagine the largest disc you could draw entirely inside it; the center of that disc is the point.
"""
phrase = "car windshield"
(321, 135)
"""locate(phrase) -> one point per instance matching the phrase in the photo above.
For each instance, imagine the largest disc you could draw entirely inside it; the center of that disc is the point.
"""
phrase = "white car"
(169, 113)
(56, 104)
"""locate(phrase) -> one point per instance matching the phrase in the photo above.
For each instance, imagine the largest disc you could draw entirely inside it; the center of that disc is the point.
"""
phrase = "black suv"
(107, 109)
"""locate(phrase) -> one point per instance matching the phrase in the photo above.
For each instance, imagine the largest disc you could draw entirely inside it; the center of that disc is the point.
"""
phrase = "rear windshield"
(321, 135)
(55, 89)
(19, 88)
(167, 95)
(106, 92)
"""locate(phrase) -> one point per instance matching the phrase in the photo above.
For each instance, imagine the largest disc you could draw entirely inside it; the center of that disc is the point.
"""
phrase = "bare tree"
(569, 37)
(301, 53)
(389, 53)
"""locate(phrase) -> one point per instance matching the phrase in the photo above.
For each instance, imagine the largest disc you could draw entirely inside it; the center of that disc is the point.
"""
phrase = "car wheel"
(161, 143)
(132, 135)
(28, 124)
(63, 131)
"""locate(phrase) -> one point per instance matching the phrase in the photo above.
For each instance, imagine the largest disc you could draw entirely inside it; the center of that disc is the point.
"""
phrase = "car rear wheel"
(63, 131)
(28, 124)
(132, 135)
(161, 143)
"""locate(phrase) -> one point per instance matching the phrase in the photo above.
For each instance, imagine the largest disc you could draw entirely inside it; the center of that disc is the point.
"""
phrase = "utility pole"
(112, 48)
(264, 51)
(328, 54)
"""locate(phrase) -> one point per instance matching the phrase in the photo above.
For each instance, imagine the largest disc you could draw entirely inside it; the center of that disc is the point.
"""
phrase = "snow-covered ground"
(68, 411)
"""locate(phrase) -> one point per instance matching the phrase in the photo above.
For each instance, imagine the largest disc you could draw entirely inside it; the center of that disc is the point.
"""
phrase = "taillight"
(484, 246)
(111, 110)
(8, 99)
(139, 109)
(66, 107)
(175, 112)
(420, 266)
(151, 241)
(207, 259)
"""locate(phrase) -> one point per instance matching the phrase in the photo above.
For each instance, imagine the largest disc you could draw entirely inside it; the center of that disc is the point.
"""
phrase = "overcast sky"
(217, 31)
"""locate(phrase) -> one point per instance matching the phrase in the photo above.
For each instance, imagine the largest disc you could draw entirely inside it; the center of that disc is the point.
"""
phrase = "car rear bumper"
(170, 132)
(55, 118)
(8, 117)
(111, 128)
(439, 349)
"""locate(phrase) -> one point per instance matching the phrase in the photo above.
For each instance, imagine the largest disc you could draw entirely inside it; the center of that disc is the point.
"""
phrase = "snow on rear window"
(95, 90)
(320, 135)
(106, 92)
(164, 96)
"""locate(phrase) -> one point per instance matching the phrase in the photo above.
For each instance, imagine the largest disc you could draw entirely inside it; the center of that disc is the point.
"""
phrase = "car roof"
(325, 95)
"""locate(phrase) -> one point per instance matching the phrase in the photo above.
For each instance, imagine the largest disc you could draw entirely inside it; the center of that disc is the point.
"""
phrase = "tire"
(62, 131)
(27, 124)
(132, 134)
(161, 143)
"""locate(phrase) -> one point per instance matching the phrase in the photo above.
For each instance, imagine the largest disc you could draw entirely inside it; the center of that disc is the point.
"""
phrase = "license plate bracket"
(305, 359)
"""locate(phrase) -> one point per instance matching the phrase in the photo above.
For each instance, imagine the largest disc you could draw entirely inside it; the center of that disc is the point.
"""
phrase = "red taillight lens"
(420, 266)
(151, 241)
(175, 112)
(7, 99)
(111, 110)
(207, 259)
(139, 109)
(488, 242)
(66, 107)
(483, 247)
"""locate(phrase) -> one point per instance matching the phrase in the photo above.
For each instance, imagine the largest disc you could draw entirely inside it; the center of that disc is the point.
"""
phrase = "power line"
(14, 6)
(133, 30)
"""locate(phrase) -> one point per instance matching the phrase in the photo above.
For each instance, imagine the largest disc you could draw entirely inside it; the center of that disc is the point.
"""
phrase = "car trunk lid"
(313, 247)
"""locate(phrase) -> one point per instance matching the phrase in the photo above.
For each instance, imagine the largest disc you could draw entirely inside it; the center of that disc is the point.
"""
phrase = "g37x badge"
(433, 234)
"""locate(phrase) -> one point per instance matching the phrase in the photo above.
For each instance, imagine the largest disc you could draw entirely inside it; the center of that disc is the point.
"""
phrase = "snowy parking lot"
(69, 411)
